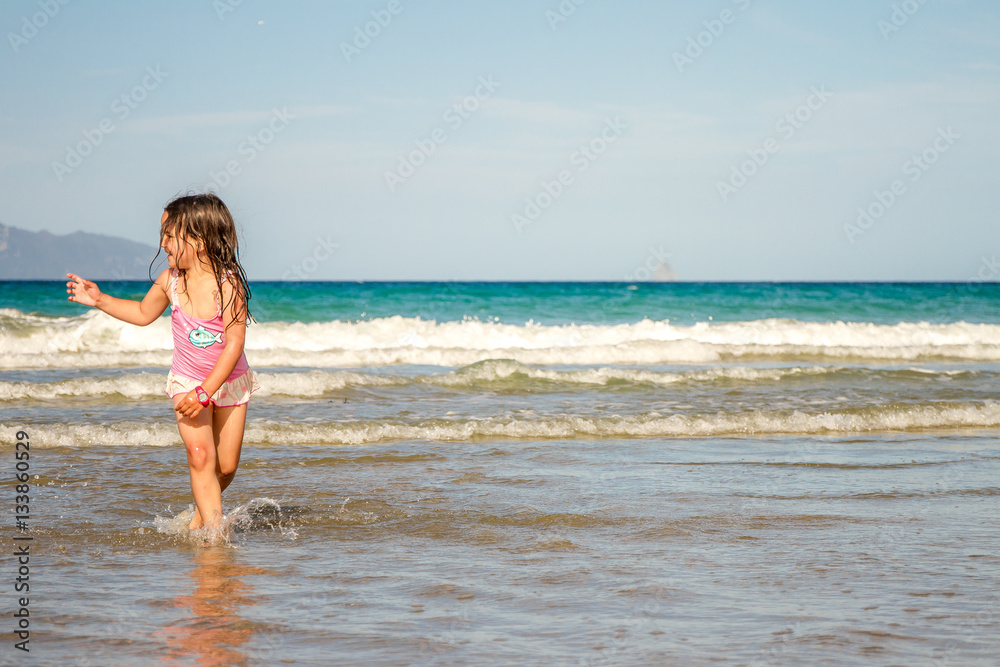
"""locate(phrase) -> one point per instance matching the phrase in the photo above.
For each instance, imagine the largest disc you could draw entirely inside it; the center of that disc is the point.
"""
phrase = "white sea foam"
(137, 386)
(152, 385)
(486, 374)
(124, 434)
(496, 370)
(95, 339)
(90, 340)
(937, 416)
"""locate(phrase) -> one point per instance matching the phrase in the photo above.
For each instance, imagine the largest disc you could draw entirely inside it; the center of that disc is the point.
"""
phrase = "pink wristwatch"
(202, 395)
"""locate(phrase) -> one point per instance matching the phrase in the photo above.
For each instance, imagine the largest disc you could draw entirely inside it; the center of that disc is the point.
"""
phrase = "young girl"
(209, 380)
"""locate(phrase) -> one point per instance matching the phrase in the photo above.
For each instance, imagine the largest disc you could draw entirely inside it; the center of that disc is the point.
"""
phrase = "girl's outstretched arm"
(87, 293)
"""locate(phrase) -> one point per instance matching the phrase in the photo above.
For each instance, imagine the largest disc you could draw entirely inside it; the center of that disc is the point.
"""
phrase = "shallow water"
(749, 550)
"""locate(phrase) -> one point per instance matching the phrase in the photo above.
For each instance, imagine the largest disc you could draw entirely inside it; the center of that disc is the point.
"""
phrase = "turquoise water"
(560, 303)
(526, 473)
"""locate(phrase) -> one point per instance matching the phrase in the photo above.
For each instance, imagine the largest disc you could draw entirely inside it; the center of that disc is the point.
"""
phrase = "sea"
(517, 474)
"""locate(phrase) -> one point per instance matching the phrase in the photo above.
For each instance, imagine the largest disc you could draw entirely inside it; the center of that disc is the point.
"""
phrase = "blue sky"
(740, 140)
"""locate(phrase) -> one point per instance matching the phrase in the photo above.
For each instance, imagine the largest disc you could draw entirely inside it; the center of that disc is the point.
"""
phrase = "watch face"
(203, 396)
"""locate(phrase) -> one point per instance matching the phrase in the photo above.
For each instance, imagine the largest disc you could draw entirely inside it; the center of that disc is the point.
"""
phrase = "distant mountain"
(28, 255)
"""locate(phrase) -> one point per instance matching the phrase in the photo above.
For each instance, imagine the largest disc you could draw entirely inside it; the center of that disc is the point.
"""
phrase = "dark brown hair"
(206, 219)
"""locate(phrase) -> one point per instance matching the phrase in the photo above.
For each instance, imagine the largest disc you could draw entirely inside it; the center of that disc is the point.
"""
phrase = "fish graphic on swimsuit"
(201, 337)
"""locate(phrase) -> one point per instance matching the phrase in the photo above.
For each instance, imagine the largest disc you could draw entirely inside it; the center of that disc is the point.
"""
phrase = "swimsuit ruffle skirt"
(198, 344)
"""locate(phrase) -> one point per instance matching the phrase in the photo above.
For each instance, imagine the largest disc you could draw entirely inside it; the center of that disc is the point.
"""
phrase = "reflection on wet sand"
(214, 632)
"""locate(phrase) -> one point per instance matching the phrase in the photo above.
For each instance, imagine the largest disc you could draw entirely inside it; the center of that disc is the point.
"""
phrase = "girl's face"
(180, 254)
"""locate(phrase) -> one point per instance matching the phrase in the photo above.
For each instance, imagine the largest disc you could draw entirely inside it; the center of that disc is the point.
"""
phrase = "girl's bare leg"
(227, 426)
(199, 441)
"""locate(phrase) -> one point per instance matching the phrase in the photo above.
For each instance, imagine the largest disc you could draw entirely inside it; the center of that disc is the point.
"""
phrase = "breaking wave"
(95, 340)
(493, 374)
(938, 416)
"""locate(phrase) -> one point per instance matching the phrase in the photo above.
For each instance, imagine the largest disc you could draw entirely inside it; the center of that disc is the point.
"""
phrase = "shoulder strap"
(173, 287)
(218, 296)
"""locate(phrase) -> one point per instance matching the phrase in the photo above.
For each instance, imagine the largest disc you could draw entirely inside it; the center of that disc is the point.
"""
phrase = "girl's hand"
(189, 406)
(82, 291)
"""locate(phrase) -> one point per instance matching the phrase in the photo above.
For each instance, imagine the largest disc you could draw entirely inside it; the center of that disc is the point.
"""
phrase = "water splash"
(258, 514)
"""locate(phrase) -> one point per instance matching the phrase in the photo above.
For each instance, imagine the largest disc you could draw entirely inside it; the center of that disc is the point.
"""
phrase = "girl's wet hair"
(204, 218)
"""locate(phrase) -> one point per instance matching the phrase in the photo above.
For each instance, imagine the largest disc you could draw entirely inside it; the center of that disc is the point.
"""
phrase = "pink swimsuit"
(198, 344)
